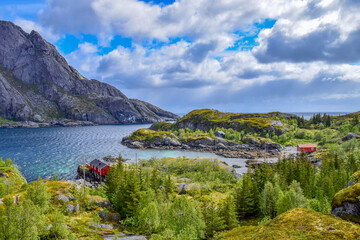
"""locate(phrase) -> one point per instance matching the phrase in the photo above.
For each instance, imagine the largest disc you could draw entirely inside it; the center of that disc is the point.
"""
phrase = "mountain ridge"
(37, 84)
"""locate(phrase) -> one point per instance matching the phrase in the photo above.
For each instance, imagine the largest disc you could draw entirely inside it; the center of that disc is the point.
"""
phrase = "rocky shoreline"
(54, 123)
(219, 146)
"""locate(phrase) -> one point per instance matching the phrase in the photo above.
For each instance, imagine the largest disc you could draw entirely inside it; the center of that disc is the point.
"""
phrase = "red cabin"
(99, 167)
(306, 147)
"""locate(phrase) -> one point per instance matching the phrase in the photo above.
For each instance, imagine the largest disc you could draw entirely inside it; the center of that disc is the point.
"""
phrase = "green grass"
(4, 120)
(298, 224)
(144, 134)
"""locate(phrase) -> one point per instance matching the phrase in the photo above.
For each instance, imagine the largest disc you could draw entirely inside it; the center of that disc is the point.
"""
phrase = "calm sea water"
(43, 152)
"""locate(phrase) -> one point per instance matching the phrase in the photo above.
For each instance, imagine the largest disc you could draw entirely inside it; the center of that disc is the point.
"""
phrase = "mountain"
(37, 84)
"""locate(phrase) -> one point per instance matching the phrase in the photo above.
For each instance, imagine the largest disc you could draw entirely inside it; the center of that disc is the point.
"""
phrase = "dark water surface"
(46, 151)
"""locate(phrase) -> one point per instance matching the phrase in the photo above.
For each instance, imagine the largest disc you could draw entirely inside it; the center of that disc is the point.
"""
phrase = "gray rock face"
(347, 209)
(37, 84)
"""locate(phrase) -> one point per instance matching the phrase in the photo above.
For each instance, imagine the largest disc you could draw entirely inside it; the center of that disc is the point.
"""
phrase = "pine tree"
(213, 219)
(228, 213)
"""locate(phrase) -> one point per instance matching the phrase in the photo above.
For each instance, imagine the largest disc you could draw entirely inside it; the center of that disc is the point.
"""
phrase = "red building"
(306, 147)
(99, 167)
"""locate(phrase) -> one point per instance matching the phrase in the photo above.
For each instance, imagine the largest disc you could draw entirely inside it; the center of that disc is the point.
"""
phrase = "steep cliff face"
(37, 84)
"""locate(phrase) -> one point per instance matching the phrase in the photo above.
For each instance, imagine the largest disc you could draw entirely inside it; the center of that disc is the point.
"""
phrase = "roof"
(307, 145)
(98, 163)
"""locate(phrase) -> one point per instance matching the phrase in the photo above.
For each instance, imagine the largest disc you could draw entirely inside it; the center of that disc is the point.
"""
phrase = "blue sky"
(291, 56)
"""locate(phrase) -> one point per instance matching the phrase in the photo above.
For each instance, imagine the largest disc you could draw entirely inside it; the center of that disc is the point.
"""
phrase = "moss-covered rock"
(206, 119)
(298, 224)
(346, 203)
(161, 126)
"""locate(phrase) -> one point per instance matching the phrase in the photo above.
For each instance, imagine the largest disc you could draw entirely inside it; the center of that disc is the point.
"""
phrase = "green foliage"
(298, 224)
(149, 219)
(36, 192)
(228, 213)
(293, 198)
(59, 228)
(213, 220)
(23, 221)
(268, 199)
(185, 218)
(161, 126)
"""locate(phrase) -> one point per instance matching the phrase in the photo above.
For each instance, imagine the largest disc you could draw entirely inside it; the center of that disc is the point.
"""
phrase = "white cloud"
(28, 26)
(310, 53)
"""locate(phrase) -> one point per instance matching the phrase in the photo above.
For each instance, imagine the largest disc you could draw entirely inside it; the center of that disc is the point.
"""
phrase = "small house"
(306, 147)
(99, 166)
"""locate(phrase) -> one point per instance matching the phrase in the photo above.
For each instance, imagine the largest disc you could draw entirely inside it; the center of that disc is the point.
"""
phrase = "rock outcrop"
(346, 203)
(38, 85)
(149, 139)
(350, 136)
(206, 119)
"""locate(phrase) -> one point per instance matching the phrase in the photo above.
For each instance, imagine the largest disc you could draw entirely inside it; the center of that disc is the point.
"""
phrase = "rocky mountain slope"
(37, 84)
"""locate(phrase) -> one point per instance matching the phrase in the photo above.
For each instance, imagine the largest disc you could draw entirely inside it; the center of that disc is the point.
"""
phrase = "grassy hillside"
(11, 180)
(298, 224)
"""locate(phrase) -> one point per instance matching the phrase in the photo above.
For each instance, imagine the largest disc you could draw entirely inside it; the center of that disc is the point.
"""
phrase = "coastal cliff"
(38, 85)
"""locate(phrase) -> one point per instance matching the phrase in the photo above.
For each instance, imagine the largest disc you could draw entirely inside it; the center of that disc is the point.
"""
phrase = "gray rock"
(48, 227)
(63, 198)
(124, 236)
(47, 86)
(72, 208)
(104, 215)
(347, 208)
(220, 134)
(106, 226)
(115, 217)
(184, 179)
(236, 166)
(181, 188)
(350, 136)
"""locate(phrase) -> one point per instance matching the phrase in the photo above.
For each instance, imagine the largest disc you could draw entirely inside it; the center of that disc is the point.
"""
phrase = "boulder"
(104, 215)
(63, 198)
(106, 226)
(346, 202)
(220, 134)
(350, 136)
(72, 208)
(236, 166)
(184, 179)
(180, 188)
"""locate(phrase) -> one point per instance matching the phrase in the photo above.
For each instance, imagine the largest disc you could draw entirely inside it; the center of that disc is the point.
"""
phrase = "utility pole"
(136, 161)
(84, 171)
(265, 154)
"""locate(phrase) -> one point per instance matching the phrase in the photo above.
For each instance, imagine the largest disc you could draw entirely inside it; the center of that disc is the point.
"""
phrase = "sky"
(231, 55)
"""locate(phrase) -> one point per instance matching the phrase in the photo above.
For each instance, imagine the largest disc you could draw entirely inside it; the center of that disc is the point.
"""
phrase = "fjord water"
(42, 152)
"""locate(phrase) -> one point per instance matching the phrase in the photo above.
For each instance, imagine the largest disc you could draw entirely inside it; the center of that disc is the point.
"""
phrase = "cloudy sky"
(232, 55)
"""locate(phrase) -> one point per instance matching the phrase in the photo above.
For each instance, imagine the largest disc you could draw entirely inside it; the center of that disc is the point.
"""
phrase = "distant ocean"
(308, 115)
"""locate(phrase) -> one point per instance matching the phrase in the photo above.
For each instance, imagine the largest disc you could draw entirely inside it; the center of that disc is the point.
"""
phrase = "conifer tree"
(228, 213)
